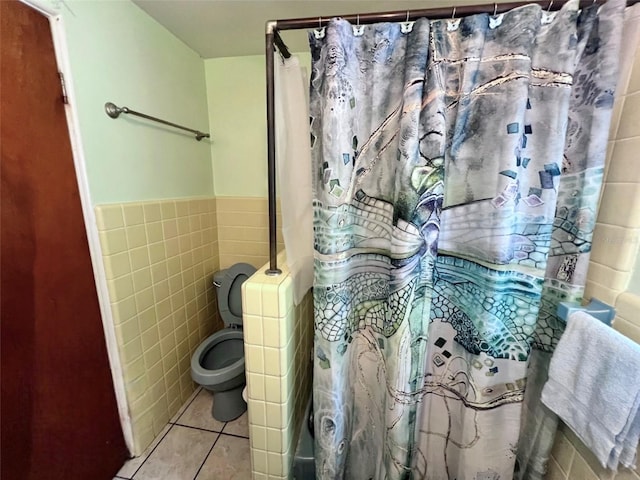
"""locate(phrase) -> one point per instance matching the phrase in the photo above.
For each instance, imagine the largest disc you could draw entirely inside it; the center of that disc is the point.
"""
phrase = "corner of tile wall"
(159, 260)
(278, 338)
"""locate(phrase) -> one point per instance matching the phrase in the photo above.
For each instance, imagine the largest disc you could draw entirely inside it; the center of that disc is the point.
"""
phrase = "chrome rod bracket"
(112, 110)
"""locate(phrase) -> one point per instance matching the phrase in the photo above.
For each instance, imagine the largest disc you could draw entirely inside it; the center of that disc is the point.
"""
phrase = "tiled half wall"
(159, 259)
(278, 340)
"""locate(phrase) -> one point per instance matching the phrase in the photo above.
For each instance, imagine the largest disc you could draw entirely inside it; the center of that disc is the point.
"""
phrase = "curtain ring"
(407, 20)
(358, 20)
(453, 13)
(495, 9)
(319, 22)
(550, 5)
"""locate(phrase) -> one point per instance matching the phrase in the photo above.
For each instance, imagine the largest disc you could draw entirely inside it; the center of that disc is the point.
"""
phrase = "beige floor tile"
(230, 459)
(178, 456)
(131, 466)
(198, 414)
(239, 426)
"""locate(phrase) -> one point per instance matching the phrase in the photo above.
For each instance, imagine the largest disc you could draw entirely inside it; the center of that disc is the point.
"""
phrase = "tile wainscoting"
(159, 260)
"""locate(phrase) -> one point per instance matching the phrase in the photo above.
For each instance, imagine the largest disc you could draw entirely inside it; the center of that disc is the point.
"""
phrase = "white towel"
(594, 387)
(293, 155)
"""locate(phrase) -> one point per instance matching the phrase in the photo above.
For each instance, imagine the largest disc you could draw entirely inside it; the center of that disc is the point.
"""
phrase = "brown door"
(59, 418)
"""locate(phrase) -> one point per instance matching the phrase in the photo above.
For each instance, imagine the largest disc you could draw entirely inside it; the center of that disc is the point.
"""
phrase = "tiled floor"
(195, 446)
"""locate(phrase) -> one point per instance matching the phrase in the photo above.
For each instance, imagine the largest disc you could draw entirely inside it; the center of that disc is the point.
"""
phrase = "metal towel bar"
(114, 112)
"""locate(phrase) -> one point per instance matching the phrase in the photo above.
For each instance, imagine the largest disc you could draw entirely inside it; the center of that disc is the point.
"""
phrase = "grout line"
(151, 452)
(233, 435)
(198, 428)
(609, 267)
(177, 422)
(207, 456)
(633, 229)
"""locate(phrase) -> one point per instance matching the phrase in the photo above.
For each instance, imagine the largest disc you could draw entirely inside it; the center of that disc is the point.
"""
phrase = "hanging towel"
(293, 160)
(594, 387)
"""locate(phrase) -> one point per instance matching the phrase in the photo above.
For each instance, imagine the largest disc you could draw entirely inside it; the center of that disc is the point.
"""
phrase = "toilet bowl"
(218, 363)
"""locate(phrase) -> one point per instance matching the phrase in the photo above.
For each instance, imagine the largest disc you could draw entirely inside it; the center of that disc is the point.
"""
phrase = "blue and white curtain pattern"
(457, 166)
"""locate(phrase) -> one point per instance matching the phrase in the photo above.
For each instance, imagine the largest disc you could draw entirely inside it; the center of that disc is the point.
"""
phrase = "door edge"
(61, 49)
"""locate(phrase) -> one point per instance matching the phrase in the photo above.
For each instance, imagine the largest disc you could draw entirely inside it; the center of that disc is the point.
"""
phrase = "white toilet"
(218, 363)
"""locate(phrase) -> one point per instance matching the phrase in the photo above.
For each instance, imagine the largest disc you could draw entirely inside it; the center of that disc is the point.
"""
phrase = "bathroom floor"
(195, 446)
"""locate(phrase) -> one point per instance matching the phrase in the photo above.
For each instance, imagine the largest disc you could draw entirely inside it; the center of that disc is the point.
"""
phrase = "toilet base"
(228, 405)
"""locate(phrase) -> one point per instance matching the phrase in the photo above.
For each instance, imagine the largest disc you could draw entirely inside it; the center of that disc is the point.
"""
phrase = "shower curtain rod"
(431, 13)
(273, 39)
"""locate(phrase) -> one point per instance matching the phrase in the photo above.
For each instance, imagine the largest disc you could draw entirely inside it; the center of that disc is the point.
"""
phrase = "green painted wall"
(120, 54)
(237, 114)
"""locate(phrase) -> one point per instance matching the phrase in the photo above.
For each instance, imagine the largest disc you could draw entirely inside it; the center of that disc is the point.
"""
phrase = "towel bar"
(597, 309)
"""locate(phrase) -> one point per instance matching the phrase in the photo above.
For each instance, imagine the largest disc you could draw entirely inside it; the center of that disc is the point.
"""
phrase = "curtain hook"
(452, 24)
(550, 5)
(495, 9)
(406, 26)
(358, 30)
(319, 32)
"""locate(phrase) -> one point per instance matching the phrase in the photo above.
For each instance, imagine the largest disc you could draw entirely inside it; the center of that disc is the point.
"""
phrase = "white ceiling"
(229, 28)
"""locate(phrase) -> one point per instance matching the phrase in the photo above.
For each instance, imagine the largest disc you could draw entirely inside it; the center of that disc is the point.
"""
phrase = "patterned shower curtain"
(457, 169)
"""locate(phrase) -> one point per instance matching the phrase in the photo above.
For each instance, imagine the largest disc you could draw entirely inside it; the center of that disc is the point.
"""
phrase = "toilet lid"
(230, 293)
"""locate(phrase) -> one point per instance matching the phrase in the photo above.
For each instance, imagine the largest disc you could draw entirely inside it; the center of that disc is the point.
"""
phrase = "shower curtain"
(456, 172)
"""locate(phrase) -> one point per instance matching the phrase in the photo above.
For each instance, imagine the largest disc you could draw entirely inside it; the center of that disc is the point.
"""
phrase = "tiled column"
(278, 338)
